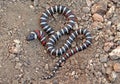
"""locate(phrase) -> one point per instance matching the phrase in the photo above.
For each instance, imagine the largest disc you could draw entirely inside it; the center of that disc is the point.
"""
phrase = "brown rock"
(116, 67)
(97, 17)
(108, 46)
(98, 25)
(100, 7)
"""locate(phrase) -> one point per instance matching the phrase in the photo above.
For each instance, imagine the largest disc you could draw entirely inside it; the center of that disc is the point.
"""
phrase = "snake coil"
(54, 36)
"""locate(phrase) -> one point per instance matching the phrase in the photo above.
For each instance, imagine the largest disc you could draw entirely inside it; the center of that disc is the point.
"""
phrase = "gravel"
(23, 62)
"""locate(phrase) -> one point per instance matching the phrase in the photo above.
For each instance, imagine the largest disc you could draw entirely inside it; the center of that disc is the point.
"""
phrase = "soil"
(23, 62)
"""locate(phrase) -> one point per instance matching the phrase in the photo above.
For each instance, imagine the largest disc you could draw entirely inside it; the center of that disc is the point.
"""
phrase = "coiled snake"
(64, 52)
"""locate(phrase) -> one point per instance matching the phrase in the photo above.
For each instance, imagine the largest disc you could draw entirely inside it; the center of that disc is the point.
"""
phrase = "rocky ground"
(23, 62)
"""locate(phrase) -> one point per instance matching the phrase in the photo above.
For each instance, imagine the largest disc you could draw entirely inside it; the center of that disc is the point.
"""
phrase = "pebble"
(97, 25)
(116, 67)
(55, 82)
(16, 41)
(73, 73)
(108, 70)
(89, 2)
(31, 6)
(108, 24)
(103, 58)
(108, 46)
(118, 34)
(97, 55)
(100, 7)
(110, 12)
(18, 65)
(118, 27)
(112, 76)
(19, 17)
(76, 77)
(46, 66)
(97, 17)
(115, 54)
(35, 3)
(14, 50)
(45, 51)
(86, 9)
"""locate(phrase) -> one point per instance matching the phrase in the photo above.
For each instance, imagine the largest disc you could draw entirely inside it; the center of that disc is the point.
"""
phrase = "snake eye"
(30, 37)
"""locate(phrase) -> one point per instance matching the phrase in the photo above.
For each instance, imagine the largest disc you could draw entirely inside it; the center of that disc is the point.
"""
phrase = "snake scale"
(64, 52)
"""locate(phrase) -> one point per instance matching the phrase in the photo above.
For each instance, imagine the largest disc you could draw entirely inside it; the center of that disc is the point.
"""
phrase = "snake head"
(31, 36)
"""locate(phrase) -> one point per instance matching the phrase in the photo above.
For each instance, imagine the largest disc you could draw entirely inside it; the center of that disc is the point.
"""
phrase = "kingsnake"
(54, 36)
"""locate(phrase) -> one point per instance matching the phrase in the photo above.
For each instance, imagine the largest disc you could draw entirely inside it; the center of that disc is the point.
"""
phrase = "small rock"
(110, 12)
(14, 50)
(18, 65)
(97, 25)
(103, 58)
(117, 38)
(73, 73)
(35, 3)
(97, 17)
(86, 9)
(112, 76)
(76, 77)
(16, 41)
(31, 6)
(13, 0)
(108, 70)
(17, 59)
(55, 82)
(37, 69)
(108, 24)
(111, 38)
(118, 34)
(45, 51)
(115, 54)
(108, 46)
(100, 7)
(118, 27)
(89, 2)
(19, 17)
(97, 55)
(46, 66)
(85, 17)
(116, 67)
(16, 47)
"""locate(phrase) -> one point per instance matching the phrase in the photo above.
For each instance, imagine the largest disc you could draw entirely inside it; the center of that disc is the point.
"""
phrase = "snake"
(64, 52)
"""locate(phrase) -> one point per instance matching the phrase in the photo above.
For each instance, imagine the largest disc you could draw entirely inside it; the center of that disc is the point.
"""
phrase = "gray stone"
(112, 76)
(89, 2)
(115, 54)
(86, 9)
(103, 58)
(55, 82)
(118, 27)
(18, 65)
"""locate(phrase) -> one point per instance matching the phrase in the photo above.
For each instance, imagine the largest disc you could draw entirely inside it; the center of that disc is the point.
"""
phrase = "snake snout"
(30, 37)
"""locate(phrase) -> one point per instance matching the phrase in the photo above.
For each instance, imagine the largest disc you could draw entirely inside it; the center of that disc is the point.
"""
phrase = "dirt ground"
(23, 62)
